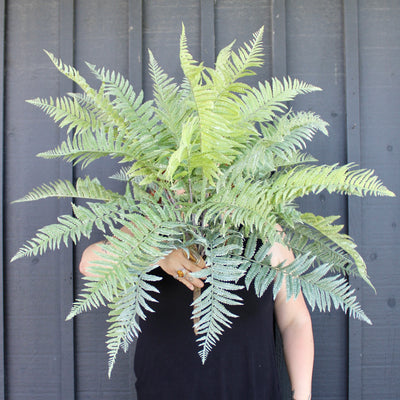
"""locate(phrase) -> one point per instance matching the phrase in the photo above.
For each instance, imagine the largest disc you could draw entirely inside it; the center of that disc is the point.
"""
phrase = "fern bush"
(239, 154)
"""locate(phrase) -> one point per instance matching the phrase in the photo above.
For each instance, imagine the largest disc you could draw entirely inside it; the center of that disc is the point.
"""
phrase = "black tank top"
(240, 367)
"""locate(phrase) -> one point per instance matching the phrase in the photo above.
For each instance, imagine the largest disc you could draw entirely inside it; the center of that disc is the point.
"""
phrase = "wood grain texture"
(278, 24)
(163, 26)
(102, 38)
(207, 32)
(66, 257)
(33, 367)
(315, 54)
(135, 76)
(229, 25)
(354, 204)
(379, 39)
(135, 44)
(279, 70)
(2, 38)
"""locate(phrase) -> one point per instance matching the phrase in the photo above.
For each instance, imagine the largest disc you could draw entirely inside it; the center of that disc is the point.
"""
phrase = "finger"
(191, 267)
(197, 259)
(193, 262)
(184, 274)
(186, 283)
(195, 281)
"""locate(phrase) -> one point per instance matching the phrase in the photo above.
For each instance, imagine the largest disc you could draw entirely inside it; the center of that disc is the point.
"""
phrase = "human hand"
(179, 266)
(175, 264)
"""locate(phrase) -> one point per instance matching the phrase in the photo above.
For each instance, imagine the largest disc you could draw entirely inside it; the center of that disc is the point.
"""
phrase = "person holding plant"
(242, 365)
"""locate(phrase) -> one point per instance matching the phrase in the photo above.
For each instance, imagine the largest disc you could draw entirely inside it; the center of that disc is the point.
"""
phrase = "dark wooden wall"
(350, 48)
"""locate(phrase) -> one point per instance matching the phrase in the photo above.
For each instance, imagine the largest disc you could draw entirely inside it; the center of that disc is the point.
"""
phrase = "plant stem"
(191, 200)
(190, 190)
(204, 189)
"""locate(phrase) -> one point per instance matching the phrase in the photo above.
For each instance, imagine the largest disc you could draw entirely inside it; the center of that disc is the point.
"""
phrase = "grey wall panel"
(31, 293)
(135, 44)
(351, 39)
(161, 32)
(101, 33)
(314, 34)
(229, 17)
(379, 38)
(2, 38)
(66, 258)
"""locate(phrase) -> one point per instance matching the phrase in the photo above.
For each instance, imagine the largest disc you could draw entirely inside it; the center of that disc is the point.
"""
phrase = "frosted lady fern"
(238, 153)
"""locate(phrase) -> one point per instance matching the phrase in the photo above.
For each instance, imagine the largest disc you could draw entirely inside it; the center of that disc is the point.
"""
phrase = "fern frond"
(145, 140)
(155, 231)
(71, 73)
(170, 100)
(184, 149)
(290, 132)
(321, 291)
(247, 204)
(85, 189)
(230, 67)
(67, 112)
(302, 239)
(51, 236)
(259, 269)
(125, 313)
(258, 162)
(122, 175)
(260, 105)
(211, 307)
(218, 143)
(304, 180)
(294, 159)
(69, 227)
(191, 68)
(125, 254)
(332, 232)
(139, 115)
(96, 292)
(88, 147)
(279, 145)
(101, 106)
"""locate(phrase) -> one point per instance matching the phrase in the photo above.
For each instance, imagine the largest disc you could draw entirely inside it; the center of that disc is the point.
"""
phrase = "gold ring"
(180, 273)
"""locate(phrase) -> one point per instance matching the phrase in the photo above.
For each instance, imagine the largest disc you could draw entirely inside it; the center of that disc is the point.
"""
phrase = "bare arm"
(294, 322)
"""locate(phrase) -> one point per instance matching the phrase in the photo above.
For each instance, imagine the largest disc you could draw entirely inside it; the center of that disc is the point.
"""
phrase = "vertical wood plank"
(279, 67)
(66, 257)
(279, 70)
(135, 51)
(354, 202)
(315, 54)
(135, 76)
(2, 41)
(207, 32)
(379, 88)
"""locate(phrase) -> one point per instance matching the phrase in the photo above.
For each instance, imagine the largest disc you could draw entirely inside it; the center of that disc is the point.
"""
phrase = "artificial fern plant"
(238, 153)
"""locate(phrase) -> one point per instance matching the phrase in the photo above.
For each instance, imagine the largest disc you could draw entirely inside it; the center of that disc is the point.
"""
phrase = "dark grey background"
(349, 48)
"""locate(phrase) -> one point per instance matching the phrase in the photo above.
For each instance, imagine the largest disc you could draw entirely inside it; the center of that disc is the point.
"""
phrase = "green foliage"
(238, 153)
